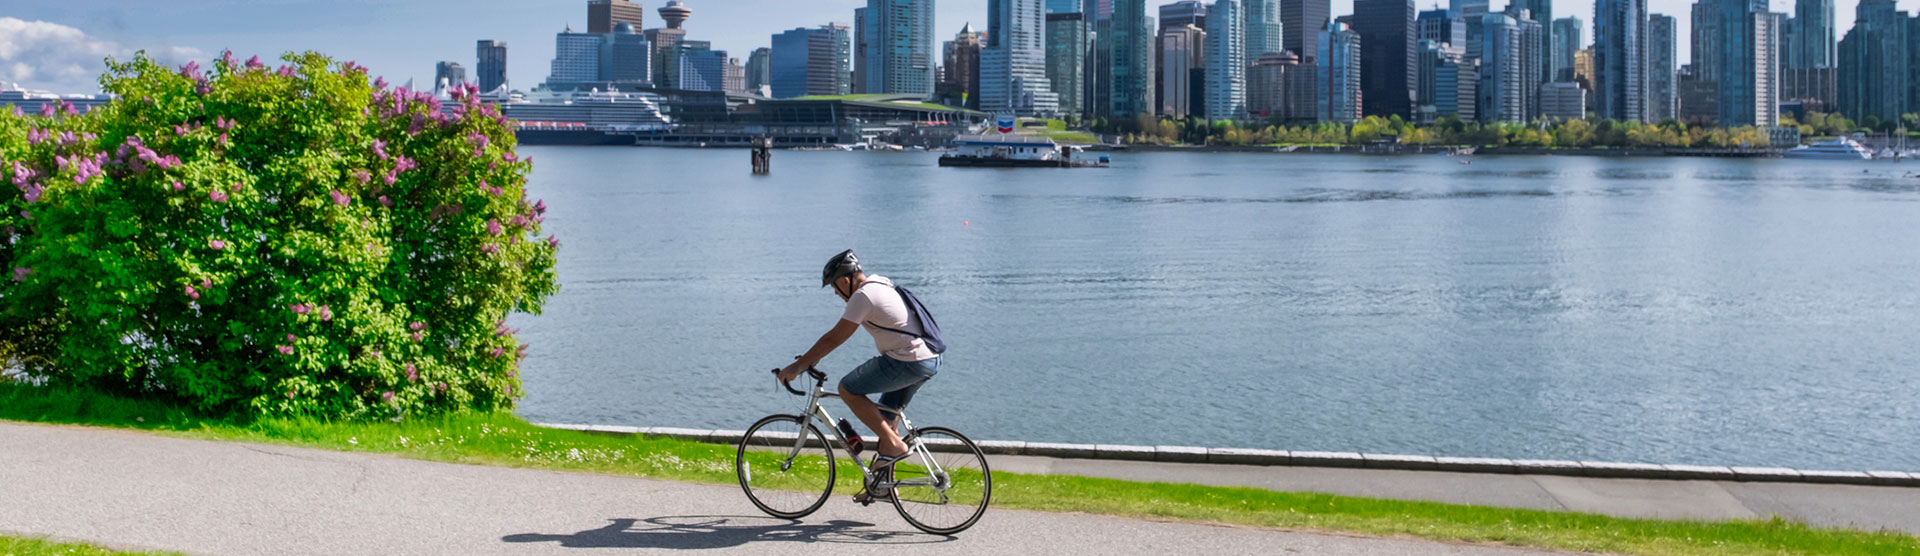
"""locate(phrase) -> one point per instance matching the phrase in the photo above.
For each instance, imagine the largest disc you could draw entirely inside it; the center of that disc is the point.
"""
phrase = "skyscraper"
(576, 59)
(1013, 67)
(1226, 60)
(1264, 30)
(1618, 58)
(863, 34)
(1301, 22)
(812, 61)
(1809, 68)
(602, 15)
(1568, 37)
(1129, 47)
(1268, 90)
(1743, 61)
(1540, 11)
(1182, 50)
(1508, 75)
(491, 69)
(702, 69)
(1337, 65)
(666, 60)
(760, 71)
(1467, 8)
(898, 47)
(1445, 28)
(1183, 13)
(1067, 60)
(450, 73)
(960, 68)
(1876, 65)
(1662, 96)
(1387, 73)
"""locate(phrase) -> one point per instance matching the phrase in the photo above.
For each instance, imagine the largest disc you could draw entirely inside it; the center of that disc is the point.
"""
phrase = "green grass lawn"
(505, 440)
(1062, 136)
(14, 546)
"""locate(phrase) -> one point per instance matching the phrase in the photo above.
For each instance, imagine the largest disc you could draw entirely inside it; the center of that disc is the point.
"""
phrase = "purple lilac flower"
(339, 198)
(254, 63)
(177, 186)
(33, 193)
(413, 374)
(216, 196)
(47, 110)
(540, 206)
(67, 108)
(217, 245)
(286, 71)
(387, 396)
(384, 202)
(18, 113)
(202, 90)
(298, 309)
(191, 70)
(493, 227)
(291, 338)
(67, 138)
(553, 241)
(181, 130)
(206, 282)
(361, 176)
(489, 249)
(326, 313)
(380, 82)
(441, 387)
(229, 60)
(417, 325)
(416, 337)
(20, 273)
(225, 123)
(191, 293)
(499, 352)
(286, 350)
(380, 148)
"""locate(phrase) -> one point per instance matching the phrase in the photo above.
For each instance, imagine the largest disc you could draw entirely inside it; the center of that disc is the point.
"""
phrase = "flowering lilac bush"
(260, 241)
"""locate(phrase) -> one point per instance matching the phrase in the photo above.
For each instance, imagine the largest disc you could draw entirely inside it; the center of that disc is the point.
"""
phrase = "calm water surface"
(1670, 310)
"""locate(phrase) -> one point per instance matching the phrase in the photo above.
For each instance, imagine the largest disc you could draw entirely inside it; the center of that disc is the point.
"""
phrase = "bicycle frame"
(817, 412)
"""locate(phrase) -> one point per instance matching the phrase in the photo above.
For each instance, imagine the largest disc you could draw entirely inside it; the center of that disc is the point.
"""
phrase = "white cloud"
(44, 55)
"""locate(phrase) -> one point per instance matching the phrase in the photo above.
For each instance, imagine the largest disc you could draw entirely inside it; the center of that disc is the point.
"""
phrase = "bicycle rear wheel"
(781, 482)
(945, 490)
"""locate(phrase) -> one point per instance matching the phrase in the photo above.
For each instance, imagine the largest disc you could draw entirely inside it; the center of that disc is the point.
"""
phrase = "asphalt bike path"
(138, 490)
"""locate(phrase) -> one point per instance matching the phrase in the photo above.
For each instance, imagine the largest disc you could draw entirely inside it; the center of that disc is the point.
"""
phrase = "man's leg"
(882, 427)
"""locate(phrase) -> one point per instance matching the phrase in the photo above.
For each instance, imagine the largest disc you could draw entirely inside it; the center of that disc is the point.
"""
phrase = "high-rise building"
(1468, 8)
(1337, 69)
(1301, 22)
(863, 34)
(1698, 98)
(1509, 70)
(1446, 29)
(960, 68)
(1013, 66)
(1067, 60)
(1182, 50)
(625, 57)
(1876, 63)
(602, 15)
(491, 69)
(1743, 61)
(1456, 85)
(812, 61)
(1808, 71)
(1387, 73)
(1568, 37)
(702, 69)
(733, 77)
(1619, 59)
(1183, 13)
(760, 71)
(1065, 6)
(1263, 28)
(576, 59)
(666, 58)
(1563, 100)
(1662, 94)
(450, 74)
(896, 43)
(1129, 49)
(1540, 11)
(1226, 60)
(1268, 87)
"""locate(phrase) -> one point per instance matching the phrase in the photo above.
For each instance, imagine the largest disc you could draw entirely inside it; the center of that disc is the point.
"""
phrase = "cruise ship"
(1840, 148)
(585, 117)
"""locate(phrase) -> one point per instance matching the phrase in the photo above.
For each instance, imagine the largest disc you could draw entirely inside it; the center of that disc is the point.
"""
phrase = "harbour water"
(1666, 310)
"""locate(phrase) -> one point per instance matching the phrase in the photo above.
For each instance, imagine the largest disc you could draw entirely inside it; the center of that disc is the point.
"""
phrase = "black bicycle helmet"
(843, 264)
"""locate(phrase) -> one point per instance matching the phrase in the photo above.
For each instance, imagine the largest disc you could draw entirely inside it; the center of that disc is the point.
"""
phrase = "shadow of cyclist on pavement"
(712, 531)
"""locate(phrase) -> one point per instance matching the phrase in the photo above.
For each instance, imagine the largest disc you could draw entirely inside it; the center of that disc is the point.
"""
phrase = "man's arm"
(828, 342)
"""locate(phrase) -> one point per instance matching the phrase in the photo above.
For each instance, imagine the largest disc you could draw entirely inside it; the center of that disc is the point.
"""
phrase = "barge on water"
(1016, 151)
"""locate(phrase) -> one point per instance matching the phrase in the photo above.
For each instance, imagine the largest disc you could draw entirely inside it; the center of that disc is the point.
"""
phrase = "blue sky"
(57, 44)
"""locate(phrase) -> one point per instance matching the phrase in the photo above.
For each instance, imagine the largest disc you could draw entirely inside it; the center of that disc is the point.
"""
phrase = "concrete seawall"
(1247, 456)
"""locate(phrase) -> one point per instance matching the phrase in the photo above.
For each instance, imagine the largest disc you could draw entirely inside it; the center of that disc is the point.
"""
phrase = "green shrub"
(257, 242)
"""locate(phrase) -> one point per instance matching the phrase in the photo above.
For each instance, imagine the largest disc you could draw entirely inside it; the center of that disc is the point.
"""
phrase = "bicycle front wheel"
(945, 489)
(785, 474)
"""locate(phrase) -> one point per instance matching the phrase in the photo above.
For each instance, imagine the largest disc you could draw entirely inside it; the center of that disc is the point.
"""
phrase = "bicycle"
(784, 460)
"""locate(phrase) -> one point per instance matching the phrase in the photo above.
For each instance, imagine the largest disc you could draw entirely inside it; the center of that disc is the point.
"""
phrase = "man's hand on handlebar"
(788, 373)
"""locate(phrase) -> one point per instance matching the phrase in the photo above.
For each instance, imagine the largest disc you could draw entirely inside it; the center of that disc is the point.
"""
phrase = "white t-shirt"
(877, 303)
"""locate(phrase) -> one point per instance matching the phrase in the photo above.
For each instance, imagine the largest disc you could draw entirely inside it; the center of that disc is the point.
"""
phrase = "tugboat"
(1016, 151)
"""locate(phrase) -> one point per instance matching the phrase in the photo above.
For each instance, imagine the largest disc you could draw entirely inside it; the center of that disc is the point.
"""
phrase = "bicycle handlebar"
(818, 376)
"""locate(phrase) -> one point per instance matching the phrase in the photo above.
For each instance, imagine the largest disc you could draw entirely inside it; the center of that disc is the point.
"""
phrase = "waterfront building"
(810, 61)
(1743, 59)
(1226, 60)
(449, 74)
(491, 69)
(1067, 60)
(1428, 55)
(1446, 29)
(1808, 73)
(733, 77)
(1662, 99)
(1563, 100)
(1456, 87)
(1337, 75)
(1183, 54)
(1013, 65)
(1129, 50)
(1387, 37)
(1875, 63)
(626, 57)
(760, 72)
(1270, 88)
(1619, 88)
(666, 58)
(702, 69)
(960, 69)
(1698, 98)
(1301, 22)
(1183, 13)
(895, 53)
(1262, 24)
(603, 15)
(1568, 37)
(1505, 90)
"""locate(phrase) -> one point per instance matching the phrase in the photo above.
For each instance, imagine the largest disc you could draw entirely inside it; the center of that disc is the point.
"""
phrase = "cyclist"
(903, 365)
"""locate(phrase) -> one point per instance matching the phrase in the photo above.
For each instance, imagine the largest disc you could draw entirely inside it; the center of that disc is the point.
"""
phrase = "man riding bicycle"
(905, 361)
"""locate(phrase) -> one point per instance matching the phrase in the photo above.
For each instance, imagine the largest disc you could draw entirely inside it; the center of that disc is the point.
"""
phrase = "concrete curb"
(1249, 456)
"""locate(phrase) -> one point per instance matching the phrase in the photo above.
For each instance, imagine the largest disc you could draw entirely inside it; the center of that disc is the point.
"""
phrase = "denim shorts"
(893, 379)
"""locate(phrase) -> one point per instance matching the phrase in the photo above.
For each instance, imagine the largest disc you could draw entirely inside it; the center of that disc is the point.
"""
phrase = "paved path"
(1852, 506)
(137, 490)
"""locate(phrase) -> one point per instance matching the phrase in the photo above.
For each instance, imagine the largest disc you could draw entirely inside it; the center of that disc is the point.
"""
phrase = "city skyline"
(59, 46)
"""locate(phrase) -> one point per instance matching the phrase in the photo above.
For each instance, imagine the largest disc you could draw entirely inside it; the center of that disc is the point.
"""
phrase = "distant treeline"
(1452, 131)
